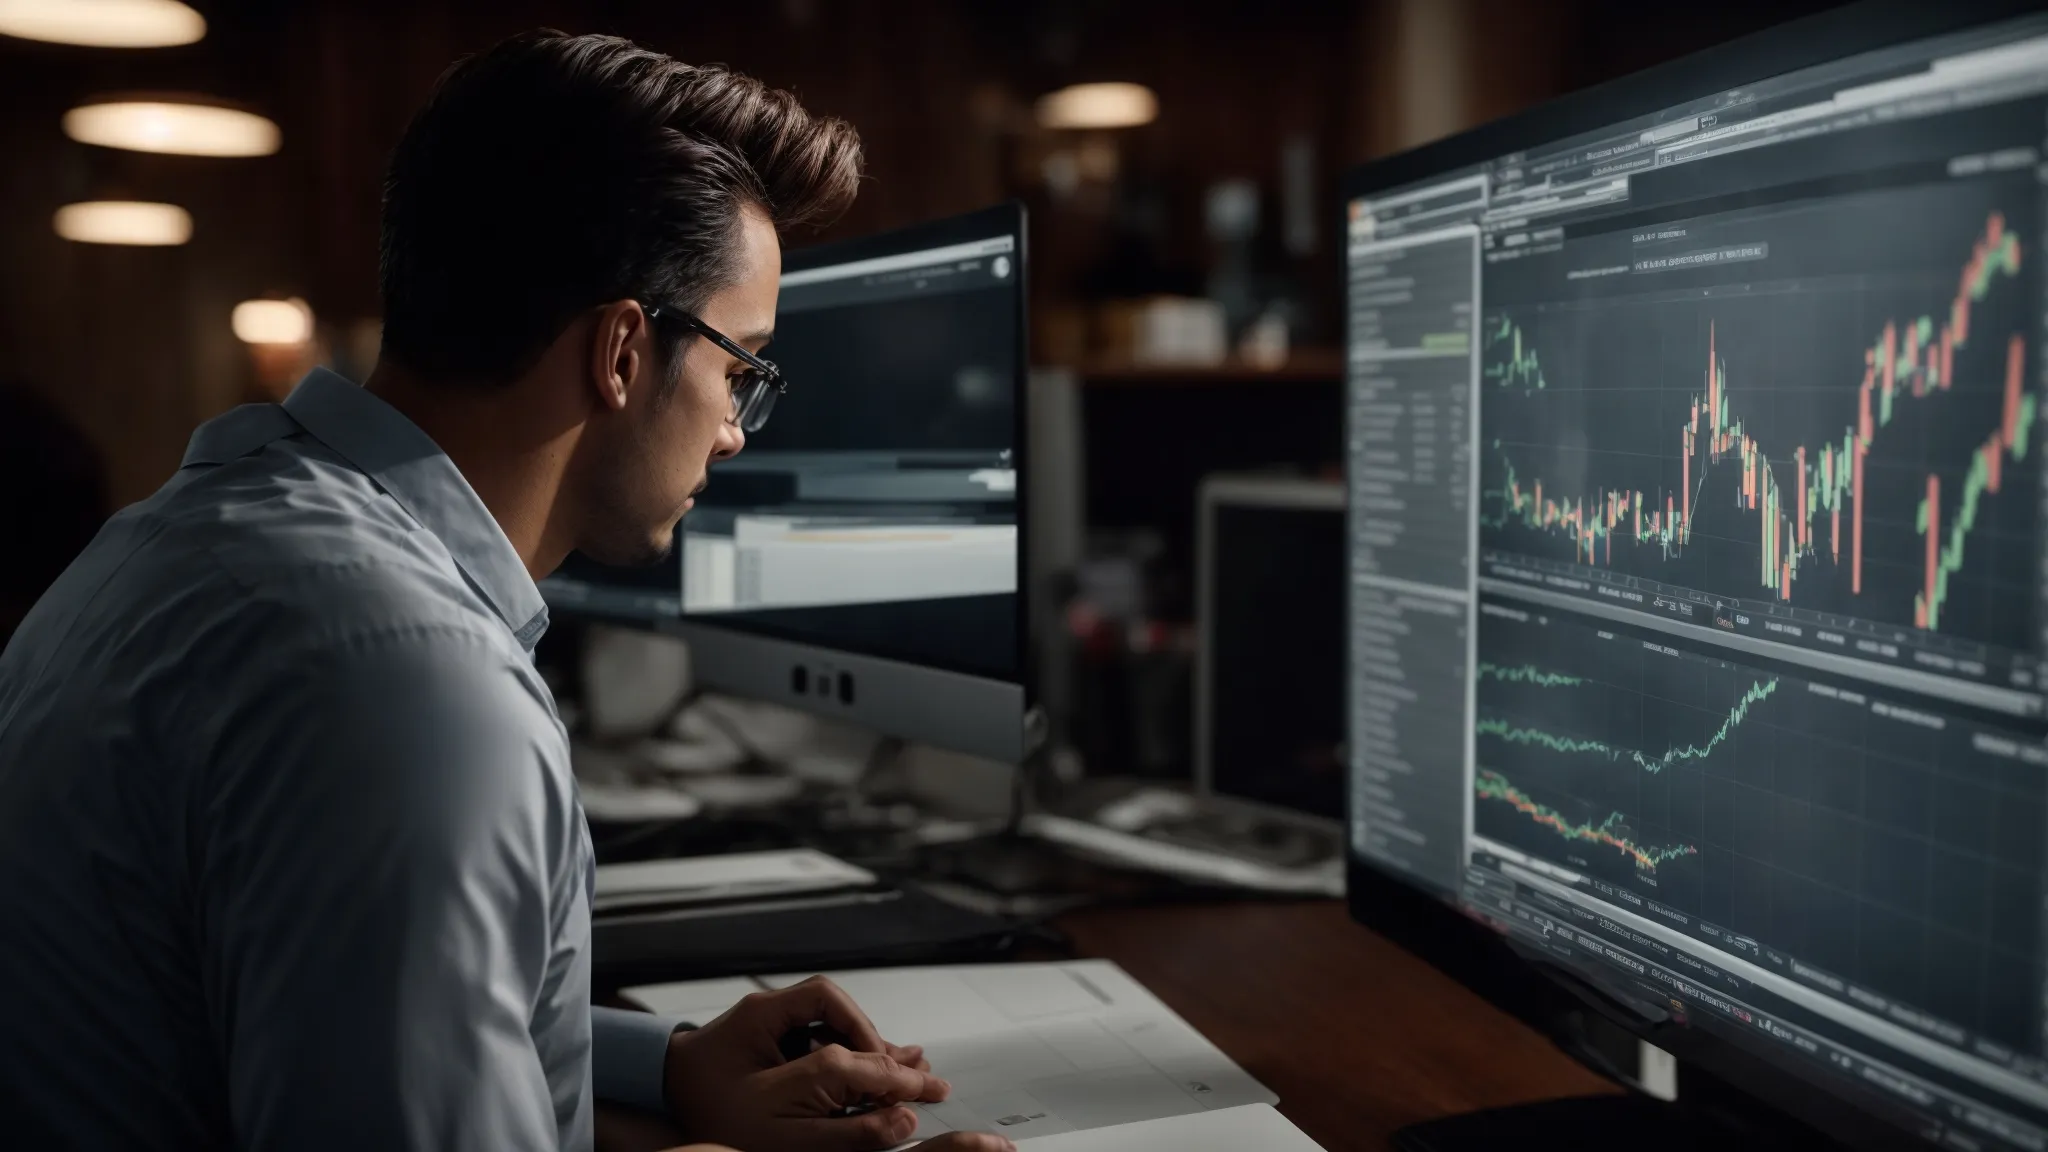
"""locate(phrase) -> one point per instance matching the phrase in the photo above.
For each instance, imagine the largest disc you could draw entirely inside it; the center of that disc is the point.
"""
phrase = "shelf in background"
(1305, 366)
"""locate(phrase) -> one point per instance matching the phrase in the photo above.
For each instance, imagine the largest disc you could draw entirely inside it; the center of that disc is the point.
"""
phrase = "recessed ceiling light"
(273, 321)
(184, 126)
(103, 23)
(124, 222)
(1108, 105)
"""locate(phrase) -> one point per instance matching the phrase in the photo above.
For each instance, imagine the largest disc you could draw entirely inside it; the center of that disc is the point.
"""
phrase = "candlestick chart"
(1858, 832)
(1859, 445)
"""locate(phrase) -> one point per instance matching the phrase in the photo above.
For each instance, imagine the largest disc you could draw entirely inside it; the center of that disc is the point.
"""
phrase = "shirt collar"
(406, 463)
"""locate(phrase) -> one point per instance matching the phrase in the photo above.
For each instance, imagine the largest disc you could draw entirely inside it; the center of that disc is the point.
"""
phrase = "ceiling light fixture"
(183, 125)
(273, 321)
(134, 222)
(1107, 105)
(103, 23)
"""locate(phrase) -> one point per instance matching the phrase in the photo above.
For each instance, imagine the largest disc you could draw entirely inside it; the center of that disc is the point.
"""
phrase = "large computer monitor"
(863, 556)
(1697, 555)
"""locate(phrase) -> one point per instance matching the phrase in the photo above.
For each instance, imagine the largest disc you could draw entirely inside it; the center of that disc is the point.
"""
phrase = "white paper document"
(1249, 1128)
(740, 874)
(1031, 1050)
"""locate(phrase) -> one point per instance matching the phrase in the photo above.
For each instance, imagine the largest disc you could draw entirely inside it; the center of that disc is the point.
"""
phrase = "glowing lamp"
(273, 321)
(184, 127)
(103, 23)
(1108, 105)
(134, 222)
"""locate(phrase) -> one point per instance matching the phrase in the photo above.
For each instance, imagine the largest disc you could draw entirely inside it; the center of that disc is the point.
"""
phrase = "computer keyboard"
(812, 933)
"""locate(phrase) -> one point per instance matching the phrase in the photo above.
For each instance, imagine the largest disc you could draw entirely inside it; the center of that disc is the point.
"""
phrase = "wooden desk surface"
(1355, 1035)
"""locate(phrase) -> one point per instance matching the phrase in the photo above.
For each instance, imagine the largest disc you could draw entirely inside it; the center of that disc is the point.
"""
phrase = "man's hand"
(728, 1083)
(967, 1142)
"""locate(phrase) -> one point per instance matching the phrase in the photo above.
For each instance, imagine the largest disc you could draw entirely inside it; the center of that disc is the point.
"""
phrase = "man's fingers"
(821, 999)
(968, 1142)
(910, 1056)
(874, 1076)
(835, 1076)
(886, 1128)
(882, 1128)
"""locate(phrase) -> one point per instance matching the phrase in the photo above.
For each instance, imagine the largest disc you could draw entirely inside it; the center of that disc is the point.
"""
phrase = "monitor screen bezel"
(758, 661)
(1866, 26)
(1421, 919)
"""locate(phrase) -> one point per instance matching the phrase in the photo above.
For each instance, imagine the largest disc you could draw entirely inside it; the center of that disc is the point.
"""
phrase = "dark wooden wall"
(135, 343)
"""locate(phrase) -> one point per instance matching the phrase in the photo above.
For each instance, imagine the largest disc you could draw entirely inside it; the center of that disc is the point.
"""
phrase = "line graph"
(1527, 674)
(1861, 833)
(1512, 734)
(1838, 443)
(1613, 831)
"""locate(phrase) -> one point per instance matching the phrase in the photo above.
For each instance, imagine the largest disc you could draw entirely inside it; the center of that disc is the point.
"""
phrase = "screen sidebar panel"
(1412, 415)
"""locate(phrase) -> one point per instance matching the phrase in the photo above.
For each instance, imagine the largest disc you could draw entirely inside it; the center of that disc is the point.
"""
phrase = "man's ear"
(621, 353)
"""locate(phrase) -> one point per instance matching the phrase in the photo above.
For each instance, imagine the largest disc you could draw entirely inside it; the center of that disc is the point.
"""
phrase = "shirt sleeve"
(380, 897)
(629, 1056)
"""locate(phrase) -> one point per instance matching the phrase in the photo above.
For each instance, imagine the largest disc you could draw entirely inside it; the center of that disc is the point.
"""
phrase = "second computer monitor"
(862, 556)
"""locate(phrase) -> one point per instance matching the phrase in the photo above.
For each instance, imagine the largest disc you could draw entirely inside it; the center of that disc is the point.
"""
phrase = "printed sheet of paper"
(696, 879)
(1030, 1049)
(1249, 1128)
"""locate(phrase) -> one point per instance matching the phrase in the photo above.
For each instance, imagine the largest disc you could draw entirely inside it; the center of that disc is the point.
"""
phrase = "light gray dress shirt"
(290, 852)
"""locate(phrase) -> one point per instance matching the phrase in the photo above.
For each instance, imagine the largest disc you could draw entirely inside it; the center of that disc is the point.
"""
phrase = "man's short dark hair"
(555, 173)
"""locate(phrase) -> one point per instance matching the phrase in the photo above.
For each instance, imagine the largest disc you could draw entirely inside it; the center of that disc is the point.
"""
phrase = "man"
(290, 853)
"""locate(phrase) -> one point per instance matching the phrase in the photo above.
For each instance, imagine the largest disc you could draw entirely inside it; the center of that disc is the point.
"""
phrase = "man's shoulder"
(277, 557)
(298, 537)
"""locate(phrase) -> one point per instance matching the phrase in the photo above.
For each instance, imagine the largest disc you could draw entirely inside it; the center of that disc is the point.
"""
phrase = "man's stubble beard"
(643, 551)
(630, 545)
(625, 542)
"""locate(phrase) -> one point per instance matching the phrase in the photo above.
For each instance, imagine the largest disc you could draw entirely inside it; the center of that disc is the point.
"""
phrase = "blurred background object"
(57, 498)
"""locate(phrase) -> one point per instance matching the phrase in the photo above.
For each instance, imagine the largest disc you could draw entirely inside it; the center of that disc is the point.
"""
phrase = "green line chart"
(1812, 813)
(1528, 674)
(1513, 734)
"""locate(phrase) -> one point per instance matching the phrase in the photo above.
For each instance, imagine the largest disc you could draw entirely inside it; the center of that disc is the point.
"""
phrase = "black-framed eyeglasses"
(755, 390)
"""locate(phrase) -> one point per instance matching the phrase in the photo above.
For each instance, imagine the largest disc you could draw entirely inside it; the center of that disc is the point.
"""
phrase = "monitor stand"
(1008, 863)
(1021, 870)
(1630, 1121)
